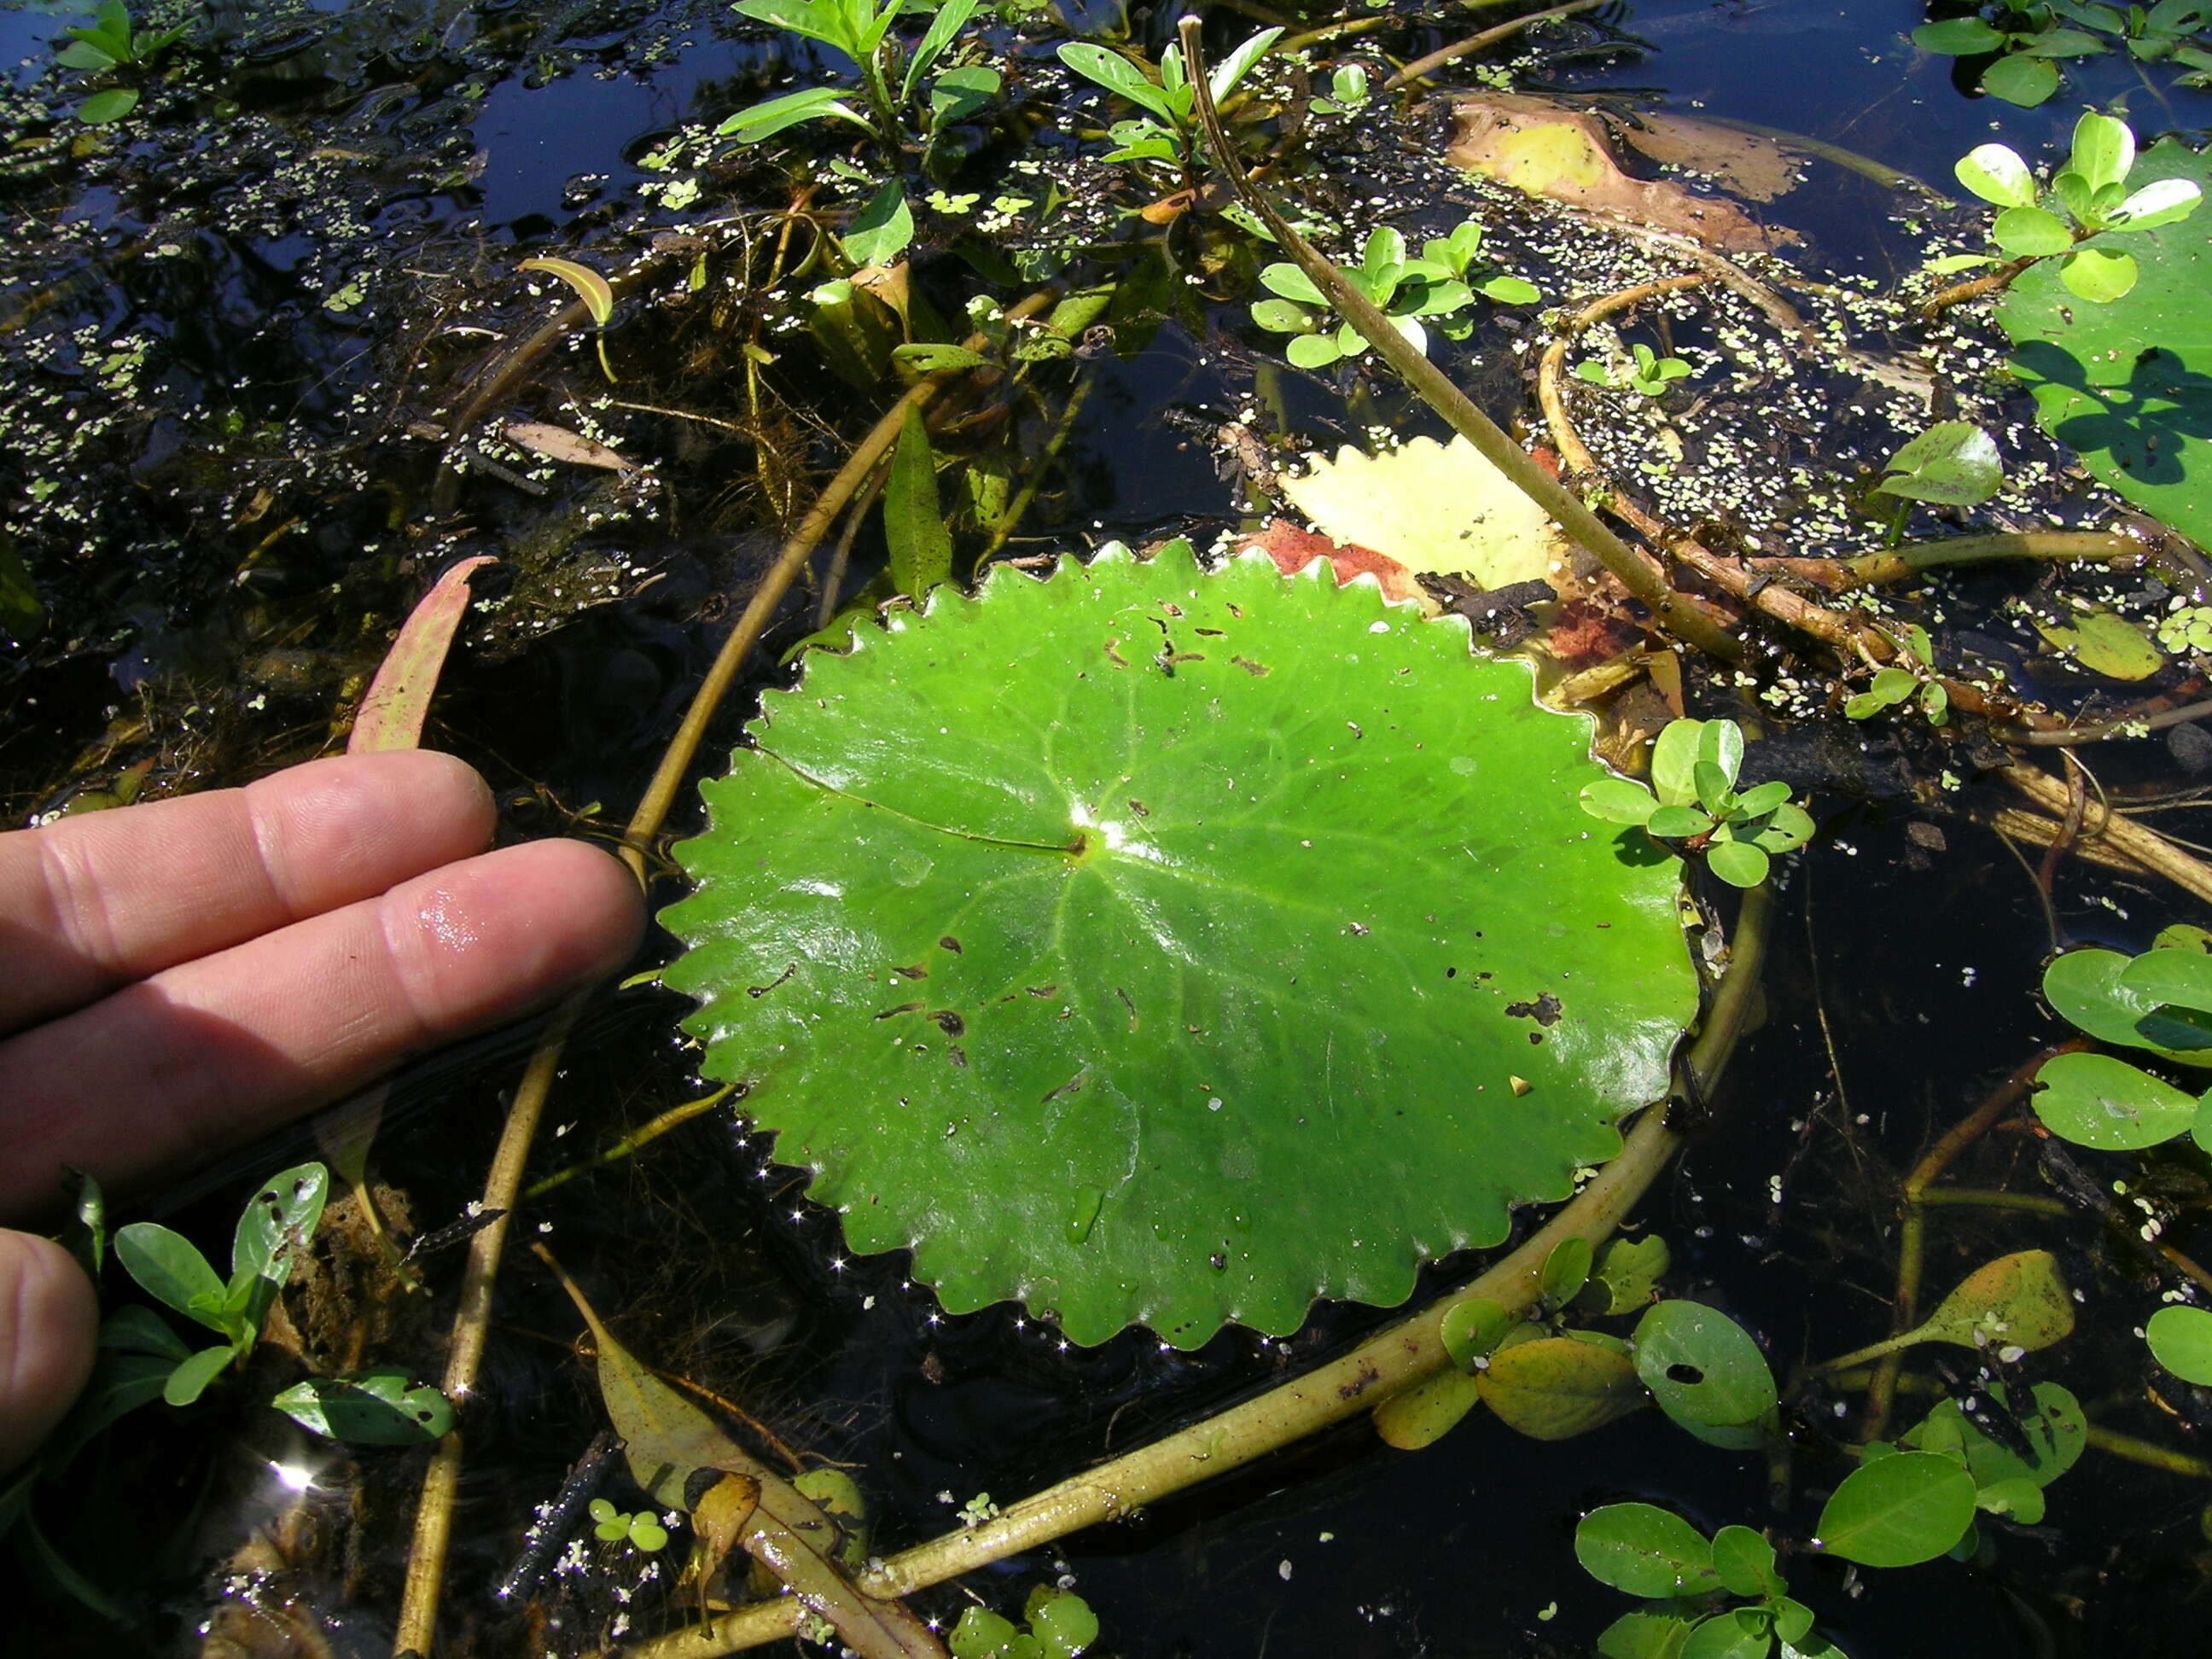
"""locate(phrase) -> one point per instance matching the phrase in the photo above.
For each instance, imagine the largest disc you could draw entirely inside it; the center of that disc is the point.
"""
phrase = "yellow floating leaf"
(1432, 507)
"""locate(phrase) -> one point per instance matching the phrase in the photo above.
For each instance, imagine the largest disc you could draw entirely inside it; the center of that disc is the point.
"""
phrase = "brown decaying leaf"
(558, 443)
(1565, 154)
(1756, 168)
(398, 699)
(1293, 548)
(667, 1439)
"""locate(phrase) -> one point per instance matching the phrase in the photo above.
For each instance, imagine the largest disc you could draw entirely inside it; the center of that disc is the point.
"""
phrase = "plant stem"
(1988, 283)
(1398, 1358)
(674, 1117)
(1913, 1231)
(418, 1610)
(2152, 851)
(1670, 611)
(2149, 1452)
(1900, 563)
(1490, 36)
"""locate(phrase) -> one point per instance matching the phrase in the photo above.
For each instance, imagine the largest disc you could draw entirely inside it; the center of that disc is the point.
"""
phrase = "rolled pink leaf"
(398, 699)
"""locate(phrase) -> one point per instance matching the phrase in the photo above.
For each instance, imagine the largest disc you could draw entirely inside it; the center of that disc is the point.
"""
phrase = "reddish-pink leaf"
(398, 699)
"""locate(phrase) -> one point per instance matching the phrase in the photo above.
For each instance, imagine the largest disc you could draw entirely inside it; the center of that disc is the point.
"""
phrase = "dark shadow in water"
(2146, 421)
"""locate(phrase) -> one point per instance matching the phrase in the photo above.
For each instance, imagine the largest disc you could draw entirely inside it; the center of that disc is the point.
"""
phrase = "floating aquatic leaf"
(1745, 1562)
(1647, 1633)
(2127, 384)
(1152, 945)
(2016, 1301)
(2094, 1100)
(1557, 1387)
(1472, 1328)
(2181, 1341)
(2055, 1430)
(1736, 1633)
(1954, 464)
(1566, 1270)
(1425, 1413)
(1432, 507)
(1897, 1510)
(1645, 1550)
(1628, 1270)
(377, 1407)
(1701, 1366)
(2105, 644)
(2091, 989)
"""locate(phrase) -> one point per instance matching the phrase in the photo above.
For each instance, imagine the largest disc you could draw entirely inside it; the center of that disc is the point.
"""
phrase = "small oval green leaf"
(2094, 1100)
(1897, 1511)
(1701, 1366)
(1646, 1551)
(2181, 1341)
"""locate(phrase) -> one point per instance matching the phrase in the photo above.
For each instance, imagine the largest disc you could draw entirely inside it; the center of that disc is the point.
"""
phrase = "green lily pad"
(2127, 384)
(1160, 947)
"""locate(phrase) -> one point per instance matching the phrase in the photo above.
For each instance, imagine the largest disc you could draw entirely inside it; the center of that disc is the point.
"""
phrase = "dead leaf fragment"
(399, 699)
(1293, 550)
(667, 1440)
(1430, 507)
(1565, 154)
(558, 443)
(1754, 168)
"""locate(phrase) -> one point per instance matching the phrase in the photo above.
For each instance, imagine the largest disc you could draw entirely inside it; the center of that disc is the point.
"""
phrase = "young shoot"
(2087, 199)
(280, 1218)
(892, 78)
(1645, 372)
(1166, 128)
(1441, 284)
(107, 44)
(1693, 800)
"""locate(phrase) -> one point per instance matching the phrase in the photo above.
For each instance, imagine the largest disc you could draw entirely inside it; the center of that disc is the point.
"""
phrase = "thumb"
(49, 1320)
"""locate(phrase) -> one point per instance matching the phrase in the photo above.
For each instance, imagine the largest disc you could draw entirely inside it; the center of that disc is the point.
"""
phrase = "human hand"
(179, 977)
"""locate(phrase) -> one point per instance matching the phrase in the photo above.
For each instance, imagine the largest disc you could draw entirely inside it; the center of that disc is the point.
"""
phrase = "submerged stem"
(418, 1611)
(1396, 1358)
(1671, 611)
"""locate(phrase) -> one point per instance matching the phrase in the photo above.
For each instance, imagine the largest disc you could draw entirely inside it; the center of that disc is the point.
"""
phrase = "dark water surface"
(1901, 989)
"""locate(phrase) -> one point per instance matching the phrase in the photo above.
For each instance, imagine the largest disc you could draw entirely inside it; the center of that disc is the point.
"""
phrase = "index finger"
(91, 903)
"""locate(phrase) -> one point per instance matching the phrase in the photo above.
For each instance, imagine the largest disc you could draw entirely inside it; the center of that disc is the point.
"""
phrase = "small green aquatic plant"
(279, 1219)
(1910, 677)
(2087, 198)
(643, 1529)
(593, 289)
(1347, 92)
(1166, 129)
(1693, 799)
(1056, 1624)
(1441, 284)
(1717, 1598)
(1645, 372)
(892, 78)
(2030, 37)
(109, 43)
